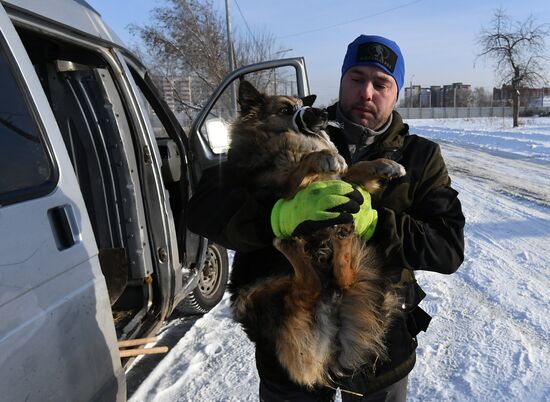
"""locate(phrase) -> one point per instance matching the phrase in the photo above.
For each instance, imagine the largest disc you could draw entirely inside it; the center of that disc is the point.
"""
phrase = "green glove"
(365, 220)
(319, 205)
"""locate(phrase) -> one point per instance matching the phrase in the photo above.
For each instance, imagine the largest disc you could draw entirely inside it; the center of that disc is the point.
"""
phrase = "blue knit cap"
(377, 51)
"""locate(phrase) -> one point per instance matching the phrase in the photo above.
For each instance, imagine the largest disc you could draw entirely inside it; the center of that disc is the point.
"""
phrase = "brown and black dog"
(329, 316)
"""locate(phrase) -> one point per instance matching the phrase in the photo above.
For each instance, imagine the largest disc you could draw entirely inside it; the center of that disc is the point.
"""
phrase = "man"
(416, 220)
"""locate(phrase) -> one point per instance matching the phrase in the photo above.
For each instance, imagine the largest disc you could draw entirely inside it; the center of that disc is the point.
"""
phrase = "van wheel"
(212, 282)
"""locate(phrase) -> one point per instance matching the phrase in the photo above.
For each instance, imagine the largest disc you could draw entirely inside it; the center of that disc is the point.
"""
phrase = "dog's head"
(280, 113)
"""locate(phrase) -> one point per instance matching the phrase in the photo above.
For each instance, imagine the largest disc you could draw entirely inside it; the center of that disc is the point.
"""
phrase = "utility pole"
(411, 96)
(230, 58)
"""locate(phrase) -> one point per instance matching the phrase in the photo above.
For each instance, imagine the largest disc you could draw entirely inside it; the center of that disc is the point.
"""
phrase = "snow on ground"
(531, 139)
(490, 335)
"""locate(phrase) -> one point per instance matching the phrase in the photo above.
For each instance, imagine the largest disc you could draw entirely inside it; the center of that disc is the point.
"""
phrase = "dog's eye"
(287, 109)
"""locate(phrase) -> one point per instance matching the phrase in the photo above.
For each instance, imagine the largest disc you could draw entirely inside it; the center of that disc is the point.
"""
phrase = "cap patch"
(378, 53)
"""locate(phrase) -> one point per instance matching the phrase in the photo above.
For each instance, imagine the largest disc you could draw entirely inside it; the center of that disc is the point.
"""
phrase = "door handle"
(64, 226)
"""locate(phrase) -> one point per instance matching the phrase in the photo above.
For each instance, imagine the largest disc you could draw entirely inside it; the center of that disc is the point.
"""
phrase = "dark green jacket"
(420, 226)
(420, 217)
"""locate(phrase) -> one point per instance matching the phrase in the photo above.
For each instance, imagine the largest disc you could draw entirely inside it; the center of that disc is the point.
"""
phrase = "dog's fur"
(333, 311)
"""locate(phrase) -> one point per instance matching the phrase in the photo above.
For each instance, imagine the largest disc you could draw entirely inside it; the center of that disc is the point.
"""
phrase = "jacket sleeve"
(430, 234)
(227, 214)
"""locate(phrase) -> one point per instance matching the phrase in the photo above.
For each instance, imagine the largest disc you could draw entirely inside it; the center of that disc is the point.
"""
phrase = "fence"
(465, 112)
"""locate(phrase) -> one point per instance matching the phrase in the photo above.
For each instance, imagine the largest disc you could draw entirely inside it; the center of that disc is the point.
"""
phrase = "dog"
(327, 317)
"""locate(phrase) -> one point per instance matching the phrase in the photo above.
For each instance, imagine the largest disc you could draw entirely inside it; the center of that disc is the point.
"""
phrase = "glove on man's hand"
(365, 220)
(319, 205)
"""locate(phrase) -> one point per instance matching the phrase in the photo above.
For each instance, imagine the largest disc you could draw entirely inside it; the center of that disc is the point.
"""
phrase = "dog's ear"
(248, 97)
(308, 100)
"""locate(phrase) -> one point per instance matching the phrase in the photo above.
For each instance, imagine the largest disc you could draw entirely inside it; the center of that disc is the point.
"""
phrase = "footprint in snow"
(213, 349)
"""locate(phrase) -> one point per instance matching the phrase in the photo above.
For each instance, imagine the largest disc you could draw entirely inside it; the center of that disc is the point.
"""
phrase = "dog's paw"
(341, 165)
(390, 169)
(331, 163)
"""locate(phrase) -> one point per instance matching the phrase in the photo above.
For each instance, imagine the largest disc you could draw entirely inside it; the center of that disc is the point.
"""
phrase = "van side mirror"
(217, 133)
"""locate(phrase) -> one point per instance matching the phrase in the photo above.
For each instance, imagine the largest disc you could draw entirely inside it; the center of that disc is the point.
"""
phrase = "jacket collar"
(356, 134)
(391, 139)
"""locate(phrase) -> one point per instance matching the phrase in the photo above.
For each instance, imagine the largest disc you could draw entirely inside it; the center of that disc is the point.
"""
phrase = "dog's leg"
(306, 285)
(302, 346)
(368, 173)
(313, 166)
(342, 238)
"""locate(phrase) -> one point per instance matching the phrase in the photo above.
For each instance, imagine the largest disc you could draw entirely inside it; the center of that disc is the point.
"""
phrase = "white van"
(94, 246)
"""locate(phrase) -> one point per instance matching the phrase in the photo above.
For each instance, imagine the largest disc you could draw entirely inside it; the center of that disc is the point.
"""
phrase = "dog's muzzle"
(301, 123)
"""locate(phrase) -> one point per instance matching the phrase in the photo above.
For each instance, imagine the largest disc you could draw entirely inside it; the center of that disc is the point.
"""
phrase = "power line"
(247, 27)
(351, 21)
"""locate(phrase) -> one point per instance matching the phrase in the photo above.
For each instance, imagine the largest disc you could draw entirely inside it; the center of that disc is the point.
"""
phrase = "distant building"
(435, 96)
(456, 95)
(530, 97)
(412, 96)
(181, 92)
(452, 95)
(175, 90)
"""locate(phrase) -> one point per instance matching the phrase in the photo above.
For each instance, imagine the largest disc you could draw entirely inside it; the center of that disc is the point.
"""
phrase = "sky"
(437, 37)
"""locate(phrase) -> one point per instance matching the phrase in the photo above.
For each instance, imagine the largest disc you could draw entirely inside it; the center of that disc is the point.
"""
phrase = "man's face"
(367, 96)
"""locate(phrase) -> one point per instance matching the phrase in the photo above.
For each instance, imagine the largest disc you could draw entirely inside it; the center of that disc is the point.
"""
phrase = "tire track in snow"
(501, 173)
(475, 348)
(214, 361)
(489, 337)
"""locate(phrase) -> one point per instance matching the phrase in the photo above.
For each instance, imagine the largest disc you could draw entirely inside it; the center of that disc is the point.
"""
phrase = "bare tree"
(480, 97)
(463, 97)
(187, 38)
(518, 51)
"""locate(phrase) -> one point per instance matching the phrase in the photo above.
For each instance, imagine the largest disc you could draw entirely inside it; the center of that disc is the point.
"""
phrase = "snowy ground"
(489, 339)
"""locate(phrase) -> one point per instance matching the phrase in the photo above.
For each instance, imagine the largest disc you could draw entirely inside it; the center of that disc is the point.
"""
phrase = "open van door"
(209, 132)
(57, 337)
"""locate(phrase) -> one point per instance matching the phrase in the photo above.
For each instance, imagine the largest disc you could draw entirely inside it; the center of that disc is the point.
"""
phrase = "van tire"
(212, 282)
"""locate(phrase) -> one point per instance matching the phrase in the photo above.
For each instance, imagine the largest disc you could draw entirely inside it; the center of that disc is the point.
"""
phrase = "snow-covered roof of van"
(76, 14)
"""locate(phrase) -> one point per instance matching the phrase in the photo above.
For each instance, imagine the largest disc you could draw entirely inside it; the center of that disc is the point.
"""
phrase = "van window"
(26, 170)
(281, 80)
